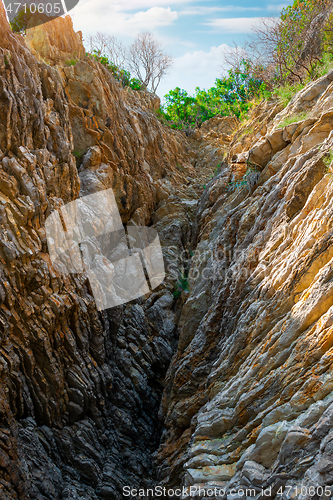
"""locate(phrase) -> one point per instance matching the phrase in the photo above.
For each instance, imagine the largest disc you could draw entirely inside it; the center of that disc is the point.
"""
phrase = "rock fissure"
(221, 377)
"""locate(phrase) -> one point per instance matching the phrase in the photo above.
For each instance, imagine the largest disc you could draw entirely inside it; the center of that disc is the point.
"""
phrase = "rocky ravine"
(247, 396)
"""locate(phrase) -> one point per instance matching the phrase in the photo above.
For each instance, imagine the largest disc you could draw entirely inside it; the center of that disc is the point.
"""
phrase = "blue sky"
(195, 32)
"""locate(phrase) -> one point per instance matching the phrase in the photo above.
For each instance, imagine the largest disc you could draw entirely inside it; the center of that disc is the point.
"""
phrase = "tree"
(300, 47)
(291, 47)
(103, 44)
(147, 61)
(231, 95)
(180, 107)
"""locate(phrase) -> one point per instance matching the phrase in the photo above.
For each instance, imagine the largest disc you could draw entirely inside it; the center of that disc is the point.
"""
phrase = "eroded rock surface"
(248, 401)
(80, 390)
(244, 214)
(55, 42)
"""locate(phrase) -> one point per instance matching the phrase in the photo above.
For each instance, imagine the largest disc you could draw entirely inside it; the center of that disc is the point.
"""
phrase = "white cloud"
(145, 4)
(277, 8)
(195, 69)
(241, 25)
(152, 18)
(203, 11)
(96, 15)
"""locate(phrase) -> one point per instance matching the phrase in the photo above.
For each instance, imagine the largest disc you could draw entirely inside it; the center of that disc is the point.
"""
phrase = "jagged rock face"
(55, 42)
(138, 157)
(133, 153)
(248, 395)
(80, 390)
(248, 401)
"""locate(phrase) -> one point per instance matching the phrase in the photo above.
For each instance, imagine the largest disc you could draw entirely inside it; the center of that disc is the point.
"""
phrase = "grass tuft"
(287, 92)
(71, 62)
(293, 119)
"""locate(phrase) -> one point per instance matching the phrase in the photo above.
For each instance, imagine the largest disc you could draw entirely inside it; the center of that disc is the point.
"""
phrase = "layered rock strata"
(248, 401)
(80, 390)
(247, 397)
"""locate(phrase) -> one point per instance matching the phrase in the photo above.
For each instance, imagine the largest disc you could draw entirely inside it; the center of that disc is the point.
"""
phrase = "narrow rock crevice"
(222, 375)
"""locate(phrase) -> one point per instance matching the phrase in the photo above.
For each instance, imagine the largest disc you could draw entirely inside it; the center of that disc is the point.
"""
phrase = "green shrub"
(181, 285)
(234, 95)
(121, 75)
(135, 84)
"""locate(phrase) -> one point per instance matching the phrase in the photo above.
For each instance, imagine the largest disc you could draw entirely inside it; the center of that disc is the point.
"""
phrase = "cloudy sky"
(195, 32)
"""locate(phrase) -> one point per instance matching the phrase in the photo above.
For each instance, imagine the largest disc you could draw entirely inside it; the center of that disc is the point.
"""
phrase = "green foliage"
(304, 38)
(182, 284)
(135, 84)
(231, 95)
(300, 48)
(121, 75)
(160, 116)
(328, 159)
(71, 62)
(293, 119)
(20, 22)
(286, 92)
(78, 156)
(326, 65)
(282, 56)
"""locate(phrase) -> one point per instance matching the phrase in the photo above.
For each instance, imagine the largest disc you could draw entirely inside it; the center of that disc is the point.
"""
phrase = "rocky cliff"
(248, 400)
(80, 390)
(223, 379)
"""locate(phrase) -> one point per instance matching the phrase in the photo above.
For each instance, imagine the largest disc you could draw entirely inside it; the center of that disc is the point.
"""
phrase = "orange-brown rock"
(251, 384)
(80, 390)
(244, 214)
(55, 42)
